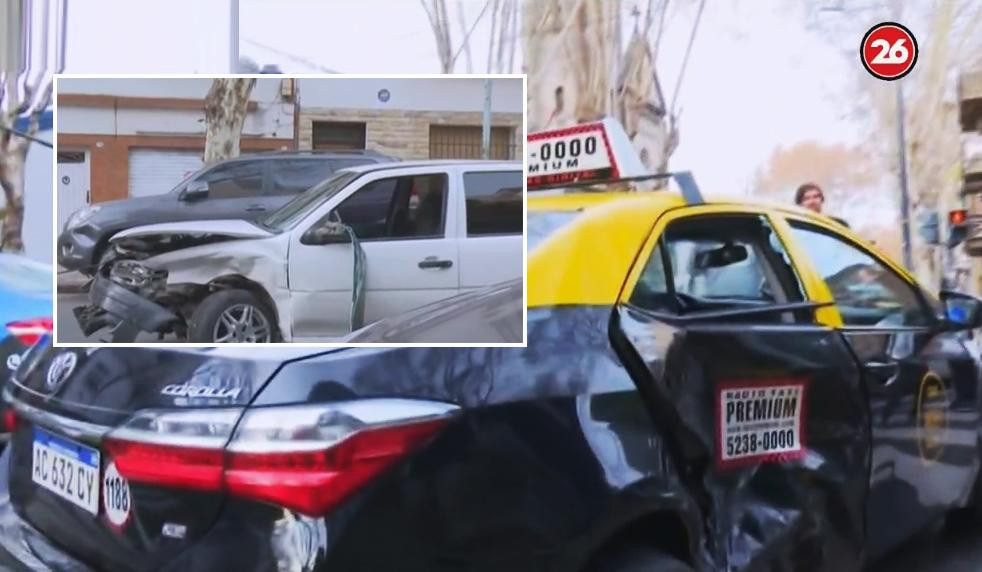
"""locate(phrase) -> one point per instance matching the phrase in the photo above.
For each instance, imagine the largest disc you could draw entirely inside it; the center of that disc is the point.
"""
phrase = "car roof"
(312, 155)
(440, 163)
(585, 262)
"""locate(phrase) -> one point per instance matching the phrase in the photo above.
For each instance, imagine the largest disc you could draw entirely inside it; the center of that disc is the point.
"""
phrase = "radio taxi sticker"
(568, 155)
(759, 422)
(116, 499)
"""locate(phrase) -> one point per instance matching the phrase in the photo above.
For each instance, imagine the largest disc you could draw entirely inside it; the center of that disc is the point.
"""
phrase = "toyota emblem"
(60, 369)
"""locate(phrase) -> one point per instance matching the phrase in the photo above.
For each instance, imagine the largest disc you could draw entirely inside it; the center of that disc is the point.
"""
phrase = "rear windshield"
(24, 275)
(543, 224)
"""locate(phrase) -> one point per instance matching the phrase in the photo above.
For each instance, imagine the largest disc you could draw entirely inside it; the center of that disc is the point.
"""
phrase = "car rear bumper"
(112, 303)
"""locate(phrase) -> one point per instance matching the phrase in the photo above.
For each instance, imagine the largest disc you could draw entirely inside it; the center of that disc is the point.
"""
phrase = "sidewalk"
(70, 282)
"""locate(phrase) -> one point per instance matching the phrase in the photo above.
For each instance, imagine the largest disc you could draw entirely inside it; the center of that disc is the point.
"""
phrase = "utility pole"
(233, 35)
(902, 169)
(486, 122)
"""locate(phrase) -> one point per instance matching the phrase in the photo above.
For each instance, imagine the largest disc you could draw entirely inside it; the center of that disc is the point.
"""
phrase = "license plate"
(66, 468)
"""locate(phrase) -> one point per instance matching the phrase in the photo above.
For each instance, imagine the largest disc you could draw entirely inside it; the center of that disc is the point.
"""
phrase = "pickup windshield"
(294, 211)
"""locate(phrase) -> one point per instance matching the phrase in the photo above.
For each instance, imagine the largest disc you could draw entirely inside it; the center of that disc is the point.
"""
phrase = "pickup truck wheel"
(639, 559)
(232, 316)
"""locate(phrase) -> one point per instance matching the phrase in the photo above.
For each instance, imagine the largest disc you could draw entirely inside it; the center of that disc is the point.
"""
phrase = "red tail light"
(305, 458)
(169, 466)
(30, 331)
(313, 482)
(9, 420)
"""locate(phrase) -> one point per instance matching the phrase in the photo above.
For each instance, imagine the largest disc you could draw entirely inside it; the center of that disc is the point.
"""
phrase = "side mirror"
(327, 233)
(195, 191)
(962, 312)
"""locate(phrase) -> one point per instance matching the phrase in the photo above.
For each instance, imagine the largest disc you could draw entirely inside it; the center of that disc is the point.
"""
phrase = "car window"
(866, 291)
(292, 176)
(494, 202)
(235, 180)
(397, 207)
(716, 263)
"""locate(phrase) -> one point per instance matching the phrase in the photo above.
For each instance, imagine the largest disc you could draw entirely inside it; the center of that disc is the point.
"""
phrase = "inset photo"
(265, 209)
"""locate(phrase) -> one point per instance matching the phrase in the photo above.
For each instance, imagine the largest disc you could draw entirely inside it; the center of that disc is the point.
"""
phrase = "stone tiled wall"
(403, 134)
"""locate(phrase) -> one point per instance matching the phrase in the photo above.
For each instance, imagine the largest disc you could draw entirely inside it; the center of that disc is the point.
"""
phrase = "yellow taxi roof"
(586, 262)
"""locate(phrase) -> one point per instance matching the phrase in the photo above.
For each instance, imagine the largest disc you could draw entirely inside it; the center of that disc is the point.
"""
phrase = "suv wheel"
(232, 316)
(639, 559)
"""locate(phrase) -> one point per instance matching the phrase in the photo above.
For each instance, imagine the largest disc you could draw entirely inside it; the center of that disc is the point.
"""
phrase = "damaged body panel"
(156, 270)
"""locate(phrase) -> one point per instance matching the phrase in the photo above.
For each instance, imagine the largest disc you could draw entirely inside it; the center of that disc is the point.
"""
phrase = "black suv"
(246, 187)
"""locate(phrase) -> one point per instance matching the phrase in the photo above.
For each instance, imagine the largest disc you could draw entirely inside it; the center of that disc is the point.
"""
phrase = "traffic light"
(958, 227)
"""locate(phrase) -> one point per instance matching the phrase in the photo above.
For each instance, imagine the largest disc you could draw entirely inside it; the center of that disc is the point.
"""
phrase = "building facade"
(121, 138)
(38, 203)
(437, 118)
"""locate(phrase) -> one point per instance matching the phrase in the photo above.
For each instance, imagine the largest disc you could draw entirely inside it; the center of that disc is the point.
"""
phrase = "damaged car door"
(922, 383)
(405, 224)
(763, 405)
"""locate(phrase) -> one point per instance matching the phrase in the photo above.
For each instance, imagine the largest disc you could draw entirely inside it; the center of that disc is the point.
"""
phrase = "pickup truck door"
(762, 407)
(921, 382)
(406, 225)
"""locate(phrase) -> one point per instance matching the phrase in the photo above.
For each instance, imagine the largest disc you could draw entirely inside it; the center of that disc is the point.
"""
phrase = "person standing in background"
(810, 196)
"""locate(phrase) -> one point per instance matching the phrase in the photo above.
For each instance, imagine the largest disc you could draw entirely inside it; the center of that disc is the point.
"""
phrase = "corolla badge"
(186, 390)
(60, 369)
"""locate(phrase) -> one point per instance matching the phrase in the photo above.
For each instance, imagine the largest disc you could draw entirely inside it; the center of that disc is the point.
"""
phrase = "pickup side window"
(494, 202)
(717, 263)
(413, 206)
(866, 291)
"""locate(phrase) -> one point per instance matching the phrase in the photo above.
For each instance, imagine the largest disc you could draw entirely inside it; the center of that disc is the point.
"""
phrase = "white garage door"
(156, 171)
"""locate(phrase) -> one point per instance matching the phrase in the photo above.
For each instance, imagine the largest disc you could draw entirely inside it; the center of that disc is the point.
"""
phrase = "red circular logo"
(888, 51)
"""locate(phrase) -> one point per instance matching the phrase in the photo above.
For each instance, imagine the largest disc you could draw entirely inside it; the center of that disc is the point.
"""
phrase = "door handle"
(884, 372)
(434, 262)
(255, 209)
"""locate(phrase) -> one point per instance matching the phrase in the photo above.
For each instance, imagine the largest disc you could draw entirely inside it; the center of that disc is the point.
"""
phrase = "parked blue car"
(25, 307)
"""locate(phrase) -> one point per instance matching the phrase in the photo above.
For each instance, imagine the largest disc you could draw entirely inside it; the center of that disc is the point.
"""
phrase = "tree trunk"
(13, 156)
(577, 72)
(225, 111)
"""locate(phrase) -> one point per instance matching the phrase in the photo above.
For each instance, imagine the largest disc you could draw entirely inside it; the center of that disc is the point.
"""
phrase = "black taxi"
(814, 402)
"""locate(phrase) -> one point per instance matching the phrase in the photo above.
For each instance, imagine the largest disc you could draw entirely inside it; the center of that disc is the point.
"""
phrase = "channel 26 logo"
(888, 51)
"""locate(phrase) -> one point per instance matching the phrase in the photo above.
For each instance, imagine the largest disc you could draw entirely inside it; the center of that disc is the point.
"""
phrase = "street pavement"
(947, 547)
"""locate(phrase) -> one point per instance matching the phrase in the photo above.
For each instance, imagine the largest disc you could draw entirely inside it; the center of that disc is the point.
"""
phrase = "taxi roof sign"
(593, 153)
(597, 151)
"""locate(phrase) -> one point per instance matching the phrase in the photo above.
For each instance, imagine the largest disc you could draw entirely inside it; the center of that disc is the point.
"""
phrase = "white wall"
(271, 119)
(415, 94)
(38, 204)
(266, 89)
(127, 36)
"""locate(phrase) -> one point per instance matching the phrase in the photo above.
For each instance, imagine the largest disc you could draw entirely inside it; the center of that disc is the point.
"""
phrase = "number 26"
(895, 54)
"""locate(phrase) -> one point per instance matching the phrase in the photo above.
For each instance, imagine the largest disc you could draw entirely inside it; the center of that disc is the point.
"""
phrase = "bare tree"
(25, 92)
(226, 106)
(436, 11)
